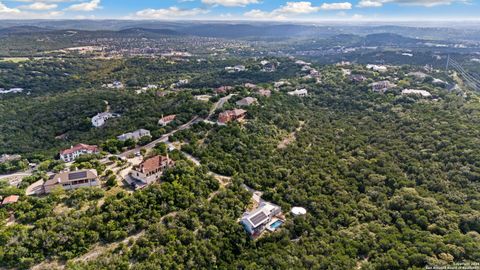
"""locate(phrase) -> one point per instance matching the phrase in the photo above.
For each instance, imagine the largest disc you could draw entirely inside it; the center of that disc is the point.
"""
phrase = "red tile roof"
(154, 163)
(11, 199)
(79, 147)
(168, 118)
(228, 116)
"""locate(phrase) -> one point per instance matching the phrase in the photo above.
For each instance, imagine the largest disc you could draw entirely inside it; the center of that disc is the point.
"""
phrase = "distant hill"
(22, 30)
(248, 30)
(147, 31)
(388, 39)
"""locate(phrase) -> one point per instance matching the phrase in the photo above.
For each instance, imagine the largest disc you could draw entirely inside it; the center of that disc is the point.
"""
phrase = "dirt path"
(290, 138)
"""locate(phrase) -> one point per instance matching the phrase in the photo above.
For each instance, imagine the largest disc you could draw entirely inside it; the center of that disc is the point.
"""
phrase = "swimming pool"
(276, 224)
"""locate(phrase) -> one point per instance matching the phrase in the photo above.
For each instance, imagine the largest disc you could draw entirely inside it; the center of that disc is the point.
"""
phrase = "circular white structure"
(298, 211)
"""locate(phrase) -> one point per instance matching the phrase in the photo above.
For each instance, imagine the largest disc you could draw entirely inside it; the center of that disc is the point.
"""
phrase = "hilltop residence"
(164, 121)
(72, 180)
(382, 86)
(246, 101)
(70, 154)
(299, 93)
(232, 115)
(150, 170)
(101, 118)
(264, 92)
(422, 93)
(135, 135)
(264, 217)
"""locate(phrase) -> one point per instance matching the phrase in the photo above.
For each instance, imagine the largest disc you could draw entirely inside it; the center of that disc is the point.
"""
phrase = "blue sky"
(253, 10)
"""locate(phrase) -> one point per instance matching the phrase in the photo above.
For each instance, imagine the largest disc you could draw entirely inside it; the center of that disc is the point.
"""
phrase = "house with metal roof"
(72, 180)
(258, 220)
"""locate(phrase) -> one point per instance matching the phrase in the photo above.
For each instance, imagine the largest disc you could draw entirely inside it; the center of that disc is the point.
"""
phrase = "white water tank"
(298, 211)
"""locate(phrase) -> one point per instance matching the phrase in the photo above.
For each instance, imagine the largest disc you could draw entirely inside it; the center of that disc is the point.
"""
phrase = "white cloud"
(230, 3)
(39, 6)
(425, 3)
(85, 17)
(86, 6)
(46, 1)
(297, 8)
(170, 12)
(357, 16)
(336, 6)
(256, 13)
(6, 10)
(370, 3)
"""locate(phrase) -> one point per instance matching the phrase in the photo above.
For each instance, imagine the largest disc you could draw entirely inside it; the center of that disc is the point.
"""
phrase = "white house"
(256, 222)
(237, 68)
(422, 93)
(299, 93)
(378, 68)
(101, 118)
(70, 154)
(135, 135)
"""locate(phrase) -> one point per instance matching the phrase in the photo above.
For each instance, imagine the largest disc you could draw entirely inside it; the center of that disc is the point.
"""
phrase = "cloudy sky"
(254, 10)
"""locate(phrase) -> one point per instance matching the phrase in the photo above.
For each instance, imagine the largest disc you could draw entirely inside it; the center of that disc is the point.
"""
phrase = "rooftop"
(11, 199)
(79, 147)
(65, 177)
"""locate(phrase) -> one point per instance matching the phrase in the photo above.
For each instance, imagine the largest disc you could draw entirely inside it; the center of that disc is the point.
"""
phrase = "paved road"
(219, 104)
(19, 174)
(164, 138)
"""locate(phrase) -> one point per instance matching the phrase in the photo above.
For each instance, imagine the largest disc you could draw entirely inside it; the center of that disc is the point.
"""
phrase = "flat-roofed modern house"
(135, 135)
(150, 170)
(70, 154)
(256, 222)
(72, 180)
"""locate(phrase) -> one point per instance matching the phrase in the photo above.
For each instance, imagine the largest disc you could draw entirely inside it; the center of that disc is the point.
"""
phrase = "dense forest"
(389, 181)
